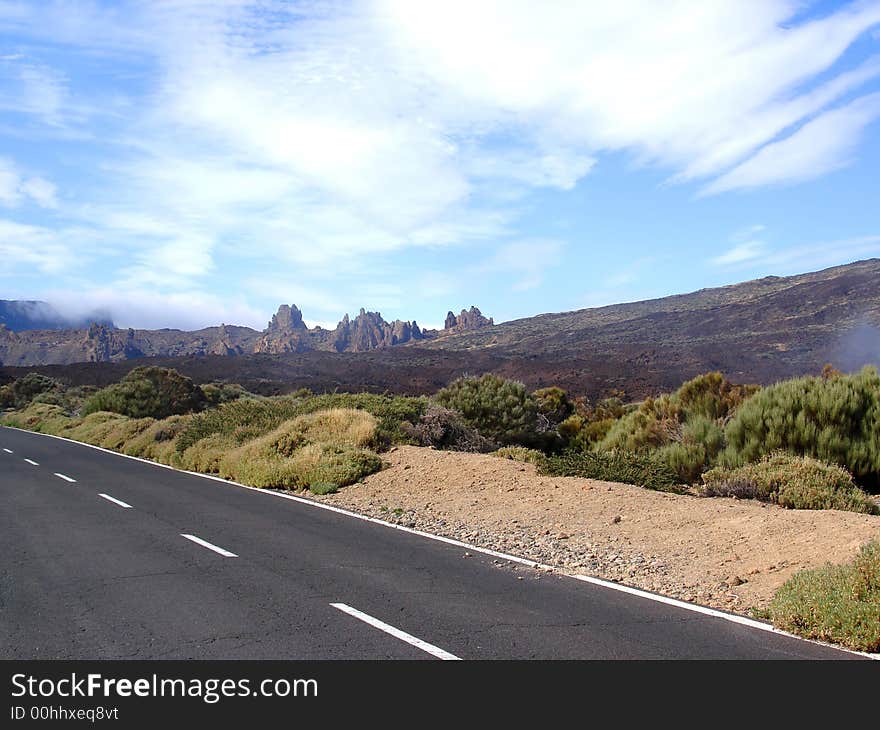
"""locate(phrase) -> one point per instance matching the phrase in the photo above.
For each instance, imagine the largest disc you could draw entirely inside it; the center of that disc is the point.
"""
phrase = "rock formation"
(469, 319)
(368, 331)
(286, 332)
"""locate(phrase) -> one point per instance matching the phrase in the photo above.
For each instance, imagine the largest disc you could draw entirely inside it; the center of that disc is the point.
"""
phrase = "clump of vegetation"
(835, 419)
(325, 447)
(308, 465)
(501, 410)
(591, 422)
(40, 417)
(218, 393)
(837, 603)
(337, 426)
(148, 392)
(391, 411)
(157, 441)
(442, 428)
(522, 454)
(20, 392)
(248, 418)
(640, 469)
(795, 482)
(685, 429)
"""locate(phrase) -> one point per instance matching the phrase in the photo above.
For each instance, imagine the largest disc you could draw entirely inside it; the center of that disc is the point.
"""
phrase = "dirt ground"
(726, 553)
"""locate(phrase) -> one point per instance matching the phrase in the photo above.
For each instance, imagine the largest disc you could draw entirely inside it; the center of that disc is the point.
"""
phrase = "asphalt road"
(84, 577)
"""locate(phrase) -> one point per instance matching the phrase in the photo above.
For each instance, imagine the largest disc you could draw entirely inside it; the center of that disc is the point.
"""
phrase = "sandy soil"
(726, 553)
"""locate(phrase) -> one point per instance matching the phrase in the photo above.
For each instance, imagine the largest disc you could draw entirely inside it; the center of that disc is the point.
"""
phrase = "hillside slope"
(759, 331)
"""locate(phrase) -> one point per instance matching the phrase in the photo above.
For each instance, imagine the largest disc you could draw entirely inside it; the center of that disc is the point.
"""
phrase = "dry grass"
(40, 417)
(338, 426)
(157, 442)
(322, 447)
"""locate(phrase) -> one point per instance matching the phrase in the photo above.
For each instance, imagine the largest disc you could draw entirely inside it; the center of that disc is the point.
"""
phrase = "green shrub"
(442, 428)
(22, 391)
(501, 410)
(640, 469)
(148, 392)
(553, 404)
(834, 419)
(838, 603)
(712, 396)
(656, 422)
(521, 453)
(795, 482)
(219, 393)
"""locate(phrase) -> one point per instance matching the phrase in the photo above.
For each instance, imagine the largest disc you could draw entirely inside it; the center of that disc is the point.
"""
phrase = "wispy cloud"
(320, 136)
(820, 146)
(16, 188)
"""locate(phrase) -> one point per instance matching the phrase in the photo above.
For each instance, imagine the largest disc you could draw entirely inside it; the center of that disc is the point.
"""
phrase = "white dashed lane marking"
(206, 544)
(396, 633)
(115, 501)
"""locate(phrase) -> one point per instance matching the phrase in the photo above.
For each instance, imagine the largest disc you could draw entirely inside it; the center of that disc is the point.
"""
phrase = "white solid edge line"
(31, 461)
(396, 633)
(64, 477)
(657, 597)
(115, 501)
(206, 544)
(8, 451)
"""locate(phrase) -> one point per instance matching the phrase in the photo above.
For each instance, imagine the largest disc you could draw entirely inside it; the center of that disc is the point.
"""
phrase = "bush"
(553, 404)
(835, 419)
(643, 470)
(441, 428)
(157, 441)
(522, 454)
(21, 392)
(838, 604)
(219, 393)
(322, 447)
(501, 410)
(249, 418)
(712, 396)
(656, 422)
(311, 464)
(790, 481)
(148, 392)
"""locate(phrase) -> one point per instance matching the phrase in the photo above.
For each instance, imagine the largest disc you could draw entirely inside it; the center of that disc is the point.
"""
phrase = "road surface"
(105, 557)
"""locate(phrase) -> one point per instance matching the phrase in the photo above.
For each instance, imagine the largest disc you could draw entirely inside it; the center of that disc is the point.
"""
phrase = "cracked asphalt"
(83, 578)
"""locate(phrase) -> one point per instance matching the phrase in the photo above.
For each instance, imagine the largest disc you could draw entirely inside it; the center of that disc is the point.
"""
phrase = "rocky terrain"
(285, 333)
(758, 331)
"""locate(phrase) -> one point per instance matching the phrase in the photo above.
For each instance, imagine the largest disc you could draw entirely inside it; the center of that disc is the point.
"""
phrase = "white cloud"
(16, 189)
(319, 137)
(740, 253)
(822, 145)
(141, 308)
(27, 249)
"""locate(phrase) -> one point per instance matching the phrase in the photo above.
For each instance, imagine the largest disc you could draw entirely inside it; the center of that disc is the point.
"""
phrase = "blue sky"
(189, 162)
